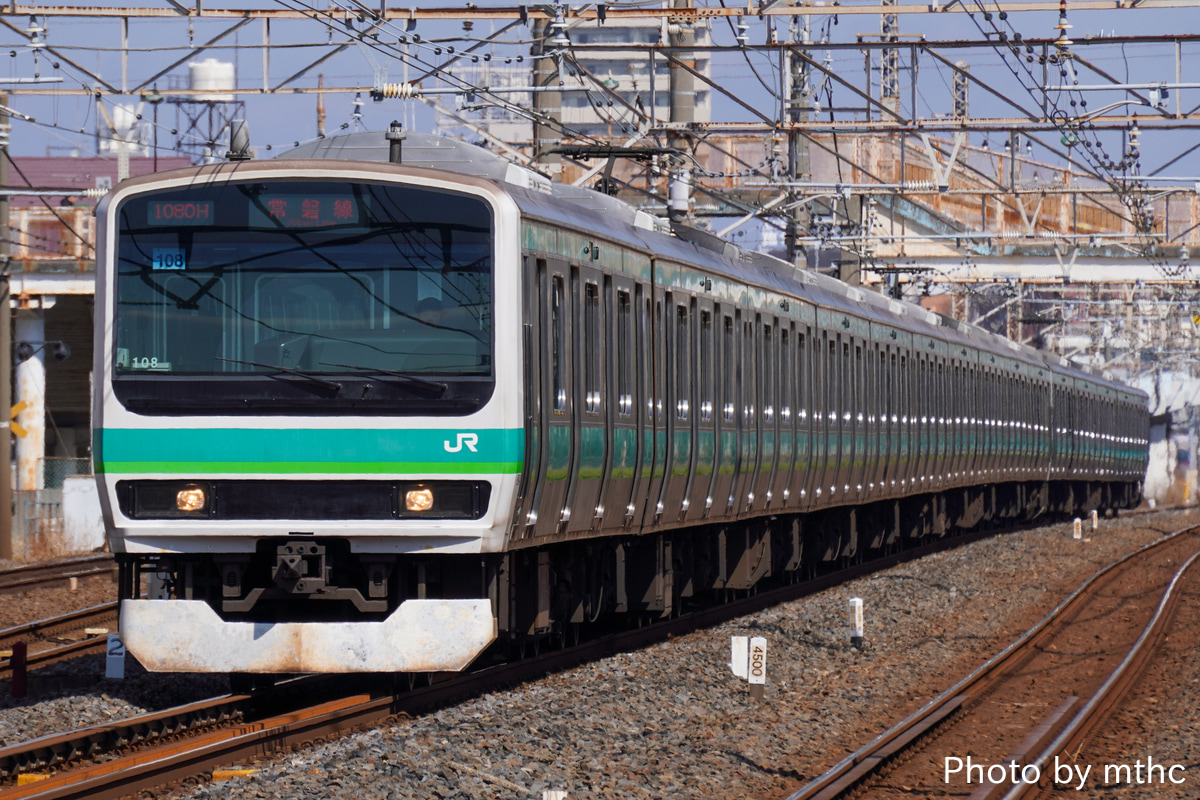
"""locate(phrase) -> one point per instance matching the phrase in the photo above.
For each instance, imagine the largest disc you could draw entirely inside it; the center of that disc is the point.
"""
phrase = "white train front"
(364, 416)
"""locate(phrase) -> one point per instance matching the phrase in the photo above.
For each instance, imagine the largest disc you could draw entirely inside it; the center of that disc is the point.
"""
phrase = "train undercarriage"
(556, 592)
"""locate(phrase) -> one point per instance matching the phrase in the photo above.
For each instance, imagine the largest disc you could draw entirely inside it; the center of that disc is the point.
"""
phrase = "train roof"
(564, 203)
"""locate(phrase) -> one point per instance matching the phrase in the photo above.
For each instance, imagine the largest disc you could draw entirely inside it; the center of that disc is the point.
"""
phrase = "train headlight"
(191, 498)
(442, 499)
(166, 499)
(418, 499)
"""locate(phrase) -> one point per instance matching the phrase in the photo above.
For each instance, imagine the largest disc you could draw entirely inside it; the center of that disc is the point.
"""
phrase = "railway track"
(146, 752)
(233, 729)
(34, 576)
(1037, 699)
(58, 638)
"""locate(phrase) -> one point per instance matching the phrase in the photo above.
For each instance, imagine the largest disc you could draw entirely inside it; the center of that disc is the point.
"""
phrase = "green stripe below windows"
(292, 451)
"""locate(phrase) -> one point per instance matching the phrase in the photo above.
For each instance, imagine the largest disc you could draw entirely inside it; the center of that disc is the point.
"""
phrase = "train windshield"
(276, 295)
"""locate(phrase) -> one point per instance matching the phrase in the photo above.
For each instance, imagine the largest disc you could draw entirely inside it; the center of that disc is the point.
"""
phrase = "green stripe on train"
(291, 451)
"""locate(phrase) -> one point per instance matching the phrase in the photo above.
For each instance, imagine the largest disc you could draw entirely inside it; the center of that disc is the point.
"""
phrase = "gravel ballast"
(671, 720)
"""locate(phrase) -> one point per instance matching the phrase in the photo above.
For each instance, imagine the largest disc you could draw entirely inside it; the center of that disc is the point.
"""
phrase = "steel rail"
(26, 577)
(1115, 687)
(848, 772)
(156, 765)
(46, 630)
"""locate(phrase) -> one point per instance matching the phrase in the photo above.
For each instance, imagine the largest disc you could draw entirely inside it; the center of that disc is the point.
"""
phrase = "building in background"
(589, 109)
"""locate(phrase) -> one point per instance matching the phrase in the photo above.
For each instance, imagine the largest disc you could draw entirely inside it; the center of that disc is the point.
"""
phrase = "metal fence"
(38, 515)
(56, 470)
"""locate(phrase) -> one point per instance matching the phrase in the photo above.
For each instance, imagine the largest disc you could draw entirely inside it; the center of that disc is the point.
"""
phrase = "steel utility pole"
(6, 494)
(680, 34)
(799, 167)
(547, 123)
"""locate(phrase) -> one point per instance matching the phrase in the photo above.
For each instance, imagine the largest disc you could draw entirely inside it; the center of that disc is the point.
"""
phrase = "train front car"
(307, 425)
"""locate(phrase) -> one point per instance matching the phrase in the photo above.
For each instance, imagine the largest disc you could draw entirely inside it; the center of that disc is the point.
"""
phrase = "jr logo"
(469, 439)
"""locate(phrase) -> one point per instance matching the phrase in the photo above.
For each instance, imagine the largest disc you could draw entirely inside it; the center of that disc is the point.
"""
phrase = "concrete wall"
(83, 525)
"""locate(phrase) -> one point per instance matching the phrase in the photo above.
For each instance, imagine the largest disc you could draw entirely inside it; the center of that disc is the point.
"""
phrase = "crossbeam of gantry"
(176, 9)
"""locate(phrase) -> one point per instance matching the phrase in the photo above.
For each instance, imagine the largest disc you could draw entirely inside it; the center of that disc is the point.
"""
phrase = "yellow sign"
(16, 428)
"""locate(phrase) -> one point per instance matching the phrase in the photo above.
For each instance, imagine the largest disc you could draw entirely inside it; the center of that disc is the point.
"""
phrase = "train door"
(908, 422)
(954, 410)
(841, 433)
(655, 433)
(880, 420)
(860, 410)
(786, 419)
(768, 383)
(556, 422)
(967, 409)
(941, 431)
(531, 339)
(800, 483)
(889, 429)
(721, 489)
(698, 497)
(624, 400)
(644, 403)
(590, 436)
(824, 417)
(748, 418)
(679, 416)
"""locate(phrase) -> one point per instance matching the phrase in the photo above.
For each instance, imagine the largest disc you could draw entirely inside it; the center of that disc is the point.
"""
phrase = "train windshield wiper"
(330, 385)
(424, 383)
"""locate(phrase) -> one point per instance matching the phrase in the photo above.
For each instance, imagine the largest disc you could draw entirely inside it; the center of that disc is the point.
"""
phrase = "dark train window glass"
(769, 366)
(833, 404)
(591, 347)
(683, 364)
(749, 376)
(860, 384)
(311, 275)
(646, 345)
(558, 378)
(786, 376)
(624, 354)
(660, 340)
(845, 387)
(728, 370)
(221, 286)
(705, 363)
(802, 375)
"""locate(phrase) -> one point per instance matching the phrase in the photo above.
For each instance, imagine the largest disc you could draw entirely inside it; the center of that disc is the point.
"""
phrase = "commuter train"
(359, 413)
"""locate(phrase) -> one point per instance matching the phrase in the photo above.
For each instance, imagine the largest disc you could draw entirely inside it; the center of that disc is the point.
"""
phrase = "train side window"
(768, 366)
(728, 370)
(706, 366)
(749, 376)
(861, 388)
(591, 348)
(558, 381)
(683, 389)
(624, 363)
(787, 376)
(802, 365)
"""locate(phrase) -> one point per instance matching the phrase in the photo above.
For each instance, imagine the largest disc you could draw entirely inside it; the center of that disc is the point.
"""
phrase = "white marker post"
(1095, 520)
(739, 659)
(1078, 528)
(856, 622)
(758, 667)
(114, 664)
(748, 661)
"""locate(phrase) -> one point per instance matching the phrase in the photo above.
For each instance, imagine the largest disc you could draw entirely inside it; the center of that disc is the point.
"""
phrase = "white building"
(589, 107)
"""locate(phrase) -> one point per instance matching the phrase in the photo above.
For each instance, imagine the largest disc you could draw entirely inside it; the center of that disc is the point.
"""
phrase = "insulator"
(94, 193)
(398, 91)
(918, 186)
